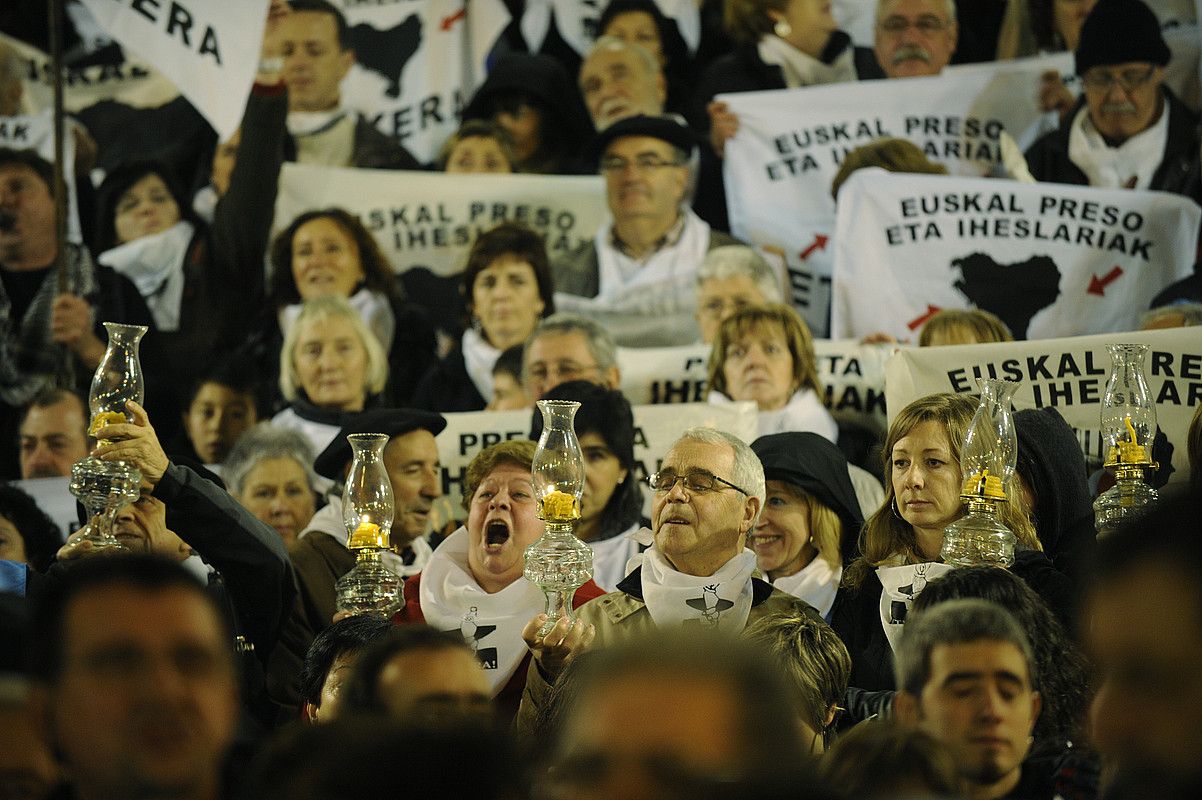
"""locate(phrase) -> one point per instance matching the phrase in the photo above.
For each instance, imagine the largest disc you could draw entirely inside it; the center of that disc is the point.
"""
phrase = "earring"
(782, 28)
(896, 513)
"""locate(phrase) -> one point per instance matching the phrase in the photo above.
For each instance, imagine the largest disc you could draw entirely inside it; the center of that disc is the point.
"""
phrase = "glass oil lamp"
(988, 458)
(367, 511)
(105, 487)
(1128, 427)
(558, 563)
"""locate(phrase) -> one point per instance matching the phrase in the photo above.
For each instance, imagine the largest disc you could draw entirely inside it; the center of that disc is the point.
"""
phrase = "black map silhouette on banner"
(387, 51)
(1015, 292)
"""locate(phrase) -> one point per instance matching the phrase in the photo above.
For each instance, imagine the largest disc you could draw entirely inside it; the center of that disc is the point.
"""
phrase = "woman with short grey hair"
(270, 472)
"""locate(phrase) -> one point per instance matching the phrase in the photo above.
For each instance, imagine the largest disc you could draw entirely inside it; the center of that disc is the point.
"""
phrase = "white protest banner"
(1050, 260)
(208, 48)
(54, 498)
(1175, 13)
(37, 133)
(133, 81)
(655, 428)
(1067, 374)
(417, 63)
(778, 168)
(429, 219)
(576, 21)
(852, 374)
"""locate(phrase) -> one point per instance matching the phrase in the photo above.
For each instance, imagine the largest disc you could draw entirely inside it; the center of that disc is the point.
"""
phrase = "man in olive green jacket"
(698, 572)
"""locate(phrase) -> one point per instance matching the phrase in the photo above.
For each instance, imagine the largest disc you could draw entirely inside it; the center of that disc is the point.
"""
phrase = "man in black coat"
(1128, 131)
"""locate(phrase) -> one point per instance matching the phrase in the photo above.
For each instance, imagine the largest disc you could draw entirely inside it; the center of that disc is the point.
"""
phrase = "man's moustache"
(911, 51)
(1118, 108)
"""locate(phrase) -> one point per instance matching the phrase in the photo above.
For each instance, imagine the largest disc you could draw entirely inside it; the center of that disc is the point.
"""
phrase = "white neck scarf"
(307, 123)
(646, 303)
(721, 600)
(479, 357)
(803, 412)
(901, 585)
(802, 69)
(328, 520)
(451, 599)
(816, 583)
(373, 309)
(155, 265)
(1112, 167)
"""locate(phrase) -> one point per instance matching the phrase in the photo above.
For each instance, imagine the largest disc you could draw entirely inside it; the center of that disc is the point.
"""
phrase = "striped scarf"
(29, 359)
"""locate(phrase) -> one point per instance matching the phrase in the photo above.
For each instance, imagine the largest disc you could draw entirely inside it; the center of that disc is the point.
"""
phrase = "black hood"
(1051, 462)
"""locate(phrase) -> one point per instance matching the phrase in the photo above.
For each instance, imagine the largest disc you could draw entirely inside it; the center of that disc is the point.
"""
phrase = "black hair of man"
(142, 572)
(52, 396)
(1166, 535)
(361, 692)
(1062, 672)
(31, 159)
(324, 7)
(345, 637)
(459, 761)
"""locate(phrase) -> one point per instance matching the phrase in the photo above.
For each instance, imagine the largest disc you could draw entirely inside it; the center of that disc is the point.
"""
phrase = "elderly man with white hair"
(708, 494)
(620, 79)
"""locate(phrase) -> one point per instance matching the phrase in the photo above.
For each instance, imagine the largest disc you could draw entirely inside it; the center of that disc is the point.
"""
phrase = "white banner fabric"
(430, 219)
(1068, 374)
(576, 21)
(134, 82)
(37, 133)
(852, 374)
(209, 49)
(655, 428)
(779, 166)
(417, 63)
(1051, 260)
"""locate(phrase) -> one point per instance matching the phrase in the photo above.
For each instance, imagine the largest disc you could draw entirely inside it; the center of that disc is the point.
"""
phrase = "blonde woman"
(900, 543)
(331, 366)
(811, 517)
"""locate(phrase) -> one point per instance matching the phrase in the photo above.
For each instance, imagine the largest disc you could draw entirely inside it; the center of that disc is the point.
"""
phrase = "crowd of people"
(768, 617)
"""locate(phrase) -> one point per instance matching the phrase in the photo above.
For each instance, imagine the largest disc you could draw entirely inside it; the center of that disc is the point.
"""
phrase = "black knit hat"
(392, 421)
(1118, 32)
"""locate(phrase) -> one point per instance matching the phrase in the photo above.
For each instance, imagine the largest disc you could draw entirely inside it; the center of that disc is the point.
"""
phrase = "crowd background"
(756, 624)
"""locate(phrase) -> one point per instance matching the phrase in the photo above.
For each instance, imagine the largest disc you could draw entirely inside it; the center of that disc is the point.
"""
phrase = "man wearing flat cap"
(320, 555)
(1129, 130)
(637, 276)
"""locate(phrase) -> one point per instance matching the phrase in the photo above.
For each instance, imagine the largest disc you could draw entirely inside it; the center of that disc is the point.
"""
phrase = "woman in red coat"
(473, 582)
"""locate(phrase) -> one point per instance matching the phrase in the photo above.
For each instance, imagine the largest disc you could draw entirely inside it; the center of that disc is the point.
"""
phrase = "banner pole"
(55, 12)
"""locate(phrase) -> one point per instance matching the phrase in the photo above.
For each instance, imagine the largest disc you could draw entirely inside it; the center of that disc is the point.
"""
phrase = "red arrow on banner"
(819, 243)
(1098, 285)
(449, 22)
(918, 322)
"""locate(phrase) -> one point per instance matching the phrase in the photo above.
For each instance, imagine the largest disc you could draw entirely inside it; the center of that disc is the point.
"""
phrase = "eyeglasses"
(926, 25)
(716, 308)
(1128, 79)
(563, 372)
(644, 163)
(695, 480)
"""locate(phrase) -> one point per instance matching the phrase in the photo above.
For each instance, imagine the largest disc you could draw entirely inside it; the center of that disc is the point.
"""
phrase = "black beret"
(392, 421)
(669, 129)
